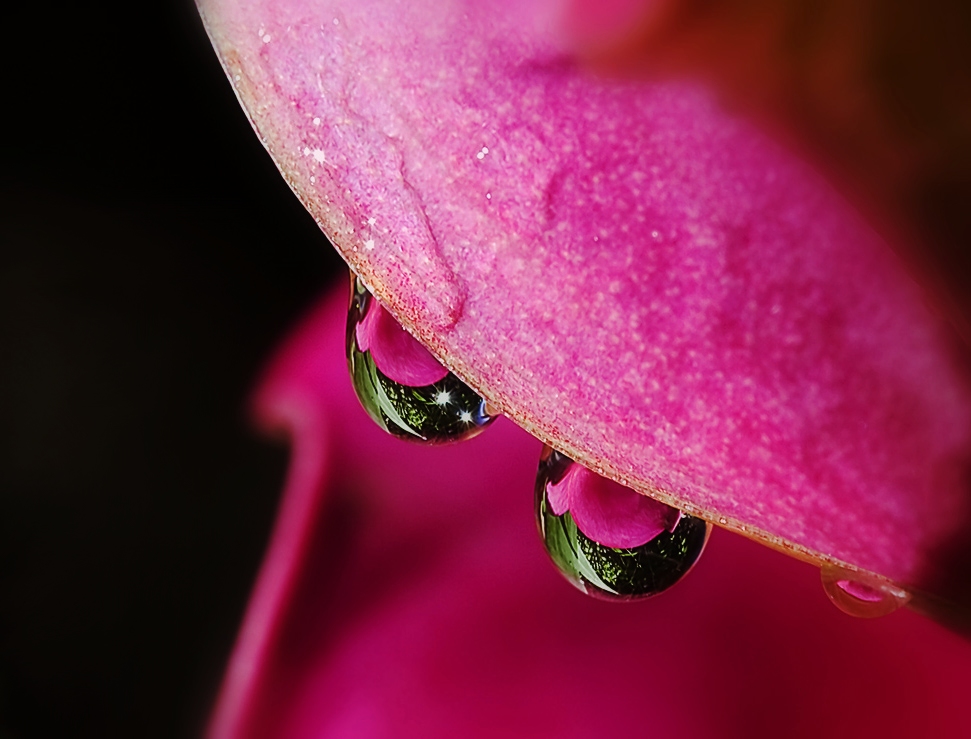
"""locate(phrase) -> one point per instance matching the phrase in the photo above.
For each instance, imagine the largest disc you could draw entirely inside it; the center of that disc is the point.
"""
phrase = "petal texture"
(652, 286)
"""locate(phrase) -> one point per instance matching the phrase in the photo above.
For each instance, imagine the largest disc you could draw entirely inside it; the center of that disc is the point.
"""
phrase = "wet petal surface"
(650, 284)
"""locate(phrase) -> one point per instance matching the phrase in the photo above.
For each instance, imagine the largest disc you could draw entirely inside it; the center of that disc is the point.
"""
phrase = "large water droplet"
(860, 594)
(659, 543)
(400, 384)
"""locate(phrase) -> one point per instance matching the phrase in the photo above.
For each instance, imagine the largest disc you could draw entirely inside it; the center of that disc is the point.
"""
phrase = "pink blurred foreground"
(406, 593)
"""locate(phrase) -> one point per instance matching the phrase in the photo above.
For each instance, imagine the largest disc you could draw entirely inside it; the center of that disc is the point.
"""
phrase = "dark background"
(150, 259)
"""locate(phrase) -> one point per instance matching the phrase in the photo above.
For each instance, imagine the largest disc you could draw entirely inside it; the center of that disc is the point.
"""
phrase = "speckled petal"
(651, 285)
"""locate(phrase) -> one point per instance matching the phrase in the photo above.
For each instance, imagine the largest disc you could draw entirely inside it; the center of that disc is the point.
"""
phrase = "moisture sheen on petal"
(649, 284)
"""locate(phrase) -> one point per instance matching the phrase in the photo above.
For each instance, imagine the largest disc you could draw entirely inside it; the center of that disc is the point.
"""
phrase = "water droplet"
(400, 384)
(860, 594)
(492, 410)
(651, 547)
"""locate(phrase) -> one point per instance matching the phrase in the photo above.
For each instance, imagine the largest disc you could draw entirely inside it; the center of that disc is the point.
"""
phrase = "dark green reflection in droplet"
(605, 572)
(448, 410)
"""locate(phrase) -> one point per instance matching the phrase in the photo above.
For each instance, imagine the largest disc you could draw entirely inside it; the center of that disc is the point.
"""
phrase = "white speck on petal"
(319, 156)
(369, 244)
(267, 38)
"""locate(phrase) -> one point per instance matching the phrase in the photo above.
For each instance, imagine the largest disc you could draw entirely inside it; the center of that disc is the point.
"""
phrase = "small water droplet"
(400, 384)
(860, 594)
(625, 573)
(492, 410)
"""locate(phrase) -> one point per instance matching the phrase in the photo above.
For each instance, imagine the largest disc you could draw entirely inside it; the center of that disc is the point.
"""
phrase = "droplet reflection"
(615, 573)
(861, 595)
(401, 386)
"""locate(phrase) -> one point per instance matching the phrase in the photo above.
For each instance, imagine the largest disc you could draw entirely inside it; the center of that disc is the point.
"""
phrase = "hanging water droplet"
(608, 540)
(400, 384)
(860, 594)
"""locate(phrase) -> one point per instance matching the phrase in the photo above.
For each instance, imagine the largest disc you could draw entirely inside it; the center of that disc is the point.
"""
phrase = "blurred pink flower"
(406, 593)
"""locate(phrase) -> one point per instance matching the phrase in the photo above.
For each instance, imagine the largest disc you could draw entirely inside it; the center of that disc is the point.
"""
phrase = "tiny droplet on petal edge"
(859, 594)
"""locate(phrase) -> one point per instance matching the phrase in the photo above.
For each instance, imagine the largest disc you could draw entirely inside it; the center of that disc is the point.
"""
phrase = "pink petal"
(609, 513)
(406, 594)
(396, 352)
(560, 495)
(624, 269)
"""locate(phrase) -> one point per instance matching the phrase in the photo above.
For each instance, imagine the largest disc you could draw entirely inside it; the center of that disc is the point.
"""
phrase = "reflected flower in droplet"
(606, 511)
(606, 539)
(398, 355)
(860, 594)
(401, 385)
